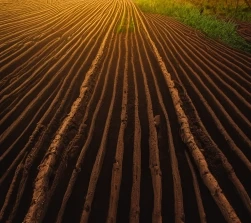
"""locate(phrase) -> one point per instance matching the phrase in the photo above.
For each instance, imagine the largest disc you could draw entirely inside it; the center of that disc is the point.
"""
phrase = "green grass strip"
(190, 15)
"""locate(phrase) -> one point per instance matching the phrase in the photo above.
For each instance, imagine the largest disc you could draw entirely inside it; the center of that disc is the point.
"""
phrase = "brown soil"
(244, 29)
(111, 115)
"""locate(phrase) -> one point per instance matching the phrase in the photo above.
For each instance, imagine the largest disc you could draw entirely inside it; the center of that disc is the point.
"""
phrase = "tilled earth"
(111, 115)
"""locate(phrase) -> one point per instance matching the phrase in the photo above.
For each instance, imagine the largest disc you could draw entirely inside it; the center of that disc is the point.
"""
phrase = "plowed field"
(111, 115)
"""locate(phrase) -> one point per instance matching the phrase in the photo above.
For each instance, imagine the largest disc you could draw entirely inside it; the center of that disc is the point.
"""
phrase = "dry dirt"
(111, 115)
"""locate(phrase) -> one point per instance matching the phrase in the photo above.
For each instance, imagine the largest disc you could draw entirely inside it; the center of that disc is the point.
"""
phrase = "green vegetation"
(216, 21)
(230, 9)
(125, 24)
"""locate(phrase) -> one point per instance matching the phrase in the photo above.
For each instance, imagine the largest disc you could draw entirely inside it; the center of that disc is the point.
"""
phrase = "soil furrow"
(50, 159)
(118, 160)
(229, 139)
(109, 114)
